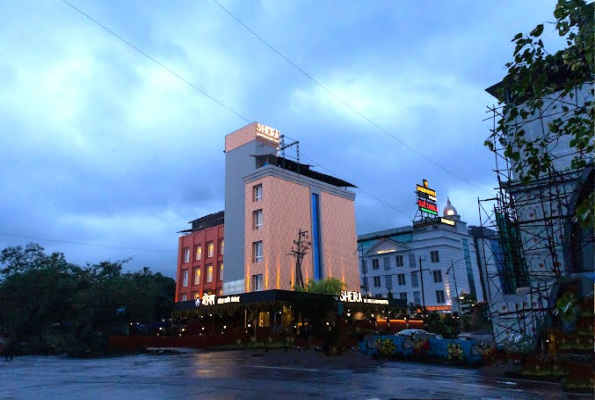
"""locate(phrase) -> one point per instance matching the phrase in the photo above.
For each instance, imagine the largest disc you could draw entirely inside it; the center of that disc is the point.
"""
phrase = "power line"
(85, 244)
(208, 95)
(344, 102)
(156, 62)
(360, 189)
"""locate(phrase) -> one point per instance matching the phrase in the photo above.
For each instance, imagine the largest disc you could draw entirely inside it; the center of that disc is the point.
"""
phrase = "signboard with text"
(426, 200)
(268, 133)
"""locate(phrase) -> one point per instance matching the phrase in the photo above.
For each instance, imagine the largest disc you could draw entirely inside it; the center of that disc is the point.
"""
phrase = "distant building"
(440, 246)
(269, 200)
(200, 258)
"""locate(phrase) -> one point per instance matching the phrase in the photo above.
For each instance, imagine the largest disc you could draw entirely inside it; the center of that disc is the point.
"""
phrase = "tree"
(536, 76)
(325, 286)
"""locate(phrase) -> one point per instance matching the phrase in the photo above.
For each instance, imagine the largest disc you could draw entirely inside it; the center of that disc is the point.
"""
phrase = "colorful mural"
(470, 352)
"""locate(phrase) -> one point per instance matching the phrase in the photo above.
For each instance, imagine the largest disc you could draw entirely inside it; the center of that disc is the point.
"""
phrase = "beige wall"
(339, 240)
(240, 137)
(286, 210)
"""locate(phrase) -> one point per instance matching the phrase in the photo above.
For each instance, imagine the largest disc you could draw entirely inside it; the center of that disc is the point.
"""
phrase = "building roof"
(208, 221)
(299, 168)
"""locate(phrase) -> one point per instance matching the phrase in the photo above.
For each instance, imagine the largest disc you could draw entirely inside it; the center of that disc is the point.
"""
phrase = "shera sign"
(426, 200)
(267, 133)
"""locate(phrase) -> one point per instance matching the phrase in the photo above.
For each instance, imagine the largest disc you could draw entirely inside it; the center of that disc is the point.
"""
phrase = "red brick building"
(200, 258)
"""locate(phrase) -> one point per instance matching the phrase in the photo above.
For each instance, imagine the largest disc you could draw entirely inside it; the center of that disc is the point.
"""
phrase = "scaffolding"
(524, 229)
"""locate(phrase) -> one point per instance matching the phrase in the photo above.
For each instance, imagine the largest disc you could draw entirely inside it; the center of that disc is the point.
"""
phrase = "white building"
(390, 261)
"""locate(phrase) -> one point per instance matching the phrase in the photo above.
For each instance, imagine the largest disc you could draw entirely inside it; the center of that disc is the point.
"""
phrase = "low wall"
(471, 352)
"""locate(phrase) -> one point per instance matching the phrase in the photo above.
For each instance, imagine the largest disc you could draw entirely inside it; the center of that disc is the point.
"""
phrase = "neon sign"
(267, 133)
(426, 200)
(356, 297)
(211, 300)
(438, 308)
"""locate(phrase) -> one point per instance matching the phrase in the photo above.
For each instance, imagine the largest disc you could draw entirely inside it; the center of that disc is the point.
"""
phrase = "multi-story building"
(268, 201)
(271, 202)
(200, 258)
(432, 263)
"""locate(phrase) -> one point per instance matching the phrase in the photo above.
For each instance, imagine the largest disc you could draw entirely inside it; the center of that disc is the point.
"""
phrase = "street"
(254, 374)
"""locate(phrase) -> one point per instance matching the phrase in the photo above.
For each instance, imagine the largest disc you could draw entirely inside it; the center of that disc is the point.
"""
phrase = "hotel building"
(269, 200)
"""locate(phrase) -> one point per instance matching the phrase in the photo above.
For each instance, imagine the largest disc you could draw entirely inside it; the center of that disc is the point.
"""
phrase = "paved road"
(254, 375)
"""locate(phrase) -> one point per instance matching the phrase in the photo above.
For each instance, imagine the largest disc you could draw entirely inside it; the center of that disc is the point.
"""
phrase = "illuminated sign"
(438, 308)
(351, 297)
(356, 297)
(447, 222)
(267, 133)
(228, 299)
(209, 300)
(426, 200)
(427, 205)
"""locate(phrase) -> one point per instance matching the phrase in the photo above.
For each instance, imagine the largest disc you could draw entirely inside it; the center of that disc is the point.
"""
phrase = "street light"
(452, 264)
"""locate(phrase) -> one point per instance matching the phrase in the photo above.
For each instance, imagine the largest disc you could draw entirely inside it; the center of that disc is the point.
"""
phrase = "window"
(437, 276)
(184, 297)
(403, 296)
(434, 256)
(210, 273)
(440, 296)
(257, 251)
(388, 282)
(417, 298)
(257, 192)
(375, 264)
(257, 219)
(264, 319)
(221, 247)
(198, 252)
(185, 278)
(210, 249)
(412, 260)
(376, 281)
(186, 255)
(399, 260)
(386, 262)
(401, 278)
(221, 271)
(197, 276)
(257, 283)
(414, 279)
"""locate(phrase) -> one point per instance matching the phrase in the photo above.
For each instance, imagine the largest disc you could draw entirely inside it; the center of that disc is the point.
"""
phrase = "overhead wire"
(128, 43)
(323, 87)
(85, 244)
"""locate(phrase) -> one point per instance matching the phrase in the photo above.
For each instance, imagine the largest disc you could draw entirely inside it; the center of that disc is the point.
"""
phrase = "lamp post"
(423, 293)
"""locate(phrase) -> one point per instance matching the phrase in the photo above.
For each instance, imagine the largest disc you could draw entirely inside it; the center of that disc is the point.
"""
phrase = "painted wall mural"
(470, 352)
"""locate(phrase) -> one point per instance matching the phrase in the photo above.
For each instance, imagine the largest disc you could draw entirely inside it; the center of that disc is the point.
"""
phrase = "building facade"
(271, 202)
(432, 263)
(200, 258)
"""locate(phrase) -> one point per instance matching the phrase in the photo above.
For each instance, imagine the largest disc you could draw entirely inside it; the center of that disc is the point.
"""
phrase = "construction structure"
(530, 240)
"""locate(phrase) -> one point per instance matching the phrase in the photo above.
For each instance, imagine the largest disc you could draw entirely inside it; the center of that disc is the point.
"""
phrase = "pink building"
(268, 201)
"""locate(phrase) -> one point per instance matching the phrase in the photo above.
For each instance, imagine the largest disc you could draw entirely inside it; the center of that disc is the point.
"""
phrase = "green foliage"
(331, 286)
(535, 75)
(60, 307)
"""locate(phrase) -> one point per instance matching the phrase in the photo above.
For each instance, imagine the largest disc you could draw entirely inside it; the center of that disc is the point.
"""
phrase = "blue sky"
(101, 146)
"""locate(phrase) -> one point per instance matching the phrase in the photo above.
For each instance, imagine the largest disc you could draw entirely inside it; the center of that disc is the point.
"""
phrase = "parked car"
(417, 334)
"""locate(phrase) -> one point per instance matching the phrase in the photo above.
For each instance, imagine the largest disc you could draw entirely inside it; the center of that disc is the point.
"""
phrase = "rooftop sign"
(267, 133)
(426, 200)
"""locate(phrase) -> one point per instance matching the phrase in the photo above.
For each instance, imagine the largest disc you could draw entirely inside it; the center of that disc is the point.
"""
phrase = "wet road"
(254, 375)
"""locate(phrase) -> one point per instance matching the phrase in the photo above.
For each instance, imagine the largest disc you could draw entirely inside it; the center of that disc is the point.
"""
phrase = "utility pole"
(300, 250)
(364, 269)
(423, 293)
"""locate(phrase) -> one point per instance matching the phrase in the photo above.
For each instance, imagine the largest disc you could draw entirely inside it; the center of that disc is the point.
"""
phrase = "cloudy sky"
(104, 154)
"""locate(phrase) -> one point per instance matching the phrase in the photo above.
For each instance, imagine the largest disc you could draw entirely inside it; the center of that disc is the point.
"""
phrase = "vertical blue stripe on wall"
(316, 237)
